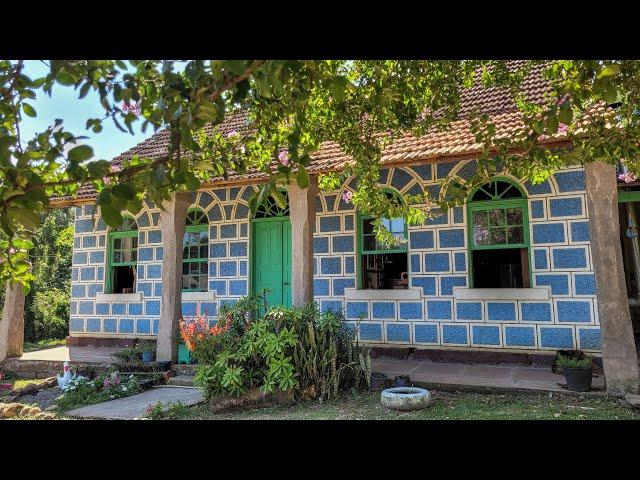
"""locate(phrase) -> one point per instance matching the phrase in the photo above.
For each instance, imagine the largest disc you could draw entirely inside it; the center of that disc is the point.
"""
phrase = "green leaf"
(29, 110)
(609, 71)
(80, 153)
(111, 215)
(104, 197)
(302, 177)
(338, 88)
(279, 198)
(124, 191)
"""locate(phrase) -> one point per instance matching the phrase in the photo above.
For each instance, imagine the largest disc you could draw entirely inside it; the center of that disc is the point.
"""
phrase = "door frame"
(251, 243)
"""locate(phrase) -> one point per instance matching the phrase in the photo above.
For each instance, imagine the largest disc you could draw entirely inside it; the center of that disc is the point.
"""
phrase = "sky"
(64, 104)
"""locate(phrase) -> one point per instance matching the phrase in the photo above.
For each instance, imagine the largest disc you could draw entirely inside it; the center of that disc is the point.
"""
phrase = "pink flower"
(347, 196)
(563, 128)
(284, 158)
(106, 383)
(232, 133)
(133, 107)
(627, 177)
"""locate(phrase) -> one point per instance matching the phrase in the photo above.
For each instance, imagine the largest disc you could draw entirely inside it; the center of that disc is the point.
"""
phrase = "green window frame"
(501, 222)
(195, 252)
(122, 250)
(365, 241)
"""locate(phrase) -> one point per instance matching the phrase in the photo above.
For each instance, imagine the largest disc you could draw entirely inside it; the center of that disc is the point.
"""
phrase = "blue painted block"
(540, 259)
(144, 288)
(590, 338)
(535, 312)
(410, 310)
(447, 284)
(218, 286)
(76, 325)
(548, 233)
(569, 258)
(421, 239)
(151, 307)
(580, 232)
(349, 265)
(424, 171)
(454, 334)
(485, 335)
(97, 257)
(343, 243)
(79, 258)
(126, 325)
(537, 209)
(238, 287)
(218, 250)
(565, 207)
(436, 262)
(370, 331)
(443, 169)
(559, 283)
(439, 310)
(469, 311)
(501, 311)
(228, 230)
(155, 236)
(458, 215)
(331, 265)
(428, 284)
(400, 178)
(143, 326)
(238, 249)
(210, 309)
(85, 308)
(453, 238)
(539, 189)
(83, 226)
(120, 308)
(157, 289)
(357, 310)
(142, 238)
(110, 325)
(339, 284)
(556, 337)
(330, 306)
(102, 308)
(571, 181)
(398, 332)
(156, 324)
(100, 273)
(585, 284)
(74, 274)
(425, 333)
(87, 273)
(145, 254)
(441, 219)
(135, 309)
(154, 271)
(228, 269)
(213, 232)
(89, 242)
(78, 291)
(415, 263)
(348, 222)
(321, 245)
(94, 289)
(140, 272)
(330, 224)
(320, 287)
(520, 336)
(460, 261)
(189, 309)
(243, 268)
(573, 311)
(244, 230)
(383, 309)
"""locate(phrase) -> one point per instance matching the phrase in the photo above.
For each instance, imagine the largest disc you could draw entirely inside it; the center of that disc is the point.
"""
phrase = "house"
(514, 270)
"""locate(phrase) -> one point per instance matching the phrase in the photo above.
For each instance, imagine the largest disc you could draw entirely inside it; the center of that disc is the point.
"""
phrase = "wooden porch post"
(172, 226)
(12, 323)
(302, 214)
(619, 356)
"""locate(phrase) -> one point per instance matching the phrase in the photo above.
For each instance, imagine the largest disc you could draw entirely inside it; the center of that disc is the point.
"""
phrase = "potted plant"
(148, 350)
(577, 371)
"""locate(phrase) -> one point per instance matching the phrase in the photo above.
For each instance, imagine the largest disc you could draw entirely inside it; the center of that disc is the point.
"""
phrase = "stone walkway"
(481, 377)
(72, 354)
(135, 406)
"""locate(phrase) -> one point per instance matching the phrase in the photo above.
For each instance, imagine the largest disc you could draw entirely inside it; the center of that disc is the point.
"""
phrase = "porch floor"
(449, 376)
(72, 354)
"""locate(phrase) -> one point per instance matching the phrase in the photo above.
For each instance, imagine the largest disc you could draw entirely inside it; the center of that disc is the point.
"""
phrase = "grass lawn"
(446, 406)
(43, 345)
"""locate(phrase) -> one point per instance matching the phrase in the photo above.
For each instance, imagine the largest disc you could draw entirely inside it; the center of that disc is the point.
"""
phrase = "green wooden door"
(272, 259)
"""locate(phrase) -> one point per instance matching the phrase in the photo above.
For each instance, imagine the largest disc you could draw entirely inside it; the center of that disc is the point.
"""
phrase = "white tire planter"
(405, 398)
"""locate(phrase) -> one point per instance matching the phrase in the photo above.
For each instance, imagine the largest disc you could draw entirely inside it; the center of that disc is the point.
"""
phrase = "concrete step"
(181, 380)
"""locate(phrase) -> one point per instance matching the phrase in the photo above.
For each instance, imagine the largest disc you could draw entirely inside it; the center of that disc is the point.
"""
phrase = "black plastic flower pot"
(578, 379)
(378, 381)
(403, 381)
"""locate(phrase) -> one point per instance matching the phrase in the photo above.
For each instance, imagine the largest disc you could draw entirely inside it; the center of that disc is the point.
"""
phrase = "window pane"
(203, 284)
(367, 227)
(204, 268)
(185, 268)
(185, 252)
(203, 251)
(514, 216)
(193, 252)
(515, 234)
(369, 242)
(117, 243)
(497, 217)
(480, 219)
(117, 257)
(481, 235)
(204, 238)
(497, 236)
(397, 226)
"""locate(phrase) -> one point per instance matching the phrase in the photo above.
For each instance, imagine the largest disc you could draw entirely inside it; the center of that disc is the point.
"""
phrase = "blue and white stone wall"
(430, 313)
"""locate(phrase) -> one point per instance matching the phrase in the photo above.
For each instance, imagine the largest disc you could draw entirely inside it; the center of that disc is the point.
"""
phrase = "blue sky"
(64, 104)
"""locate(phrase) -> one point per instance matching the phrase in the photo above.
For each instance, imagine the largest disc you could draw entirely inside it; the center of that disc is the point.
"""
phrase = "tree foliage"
(293, 106)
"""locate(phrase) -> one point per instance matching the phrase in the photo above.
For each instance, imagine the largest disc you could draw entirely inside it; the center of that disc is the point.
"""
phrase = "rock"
(11, 410)
(632, 400)
(51, 408)
(405, 398)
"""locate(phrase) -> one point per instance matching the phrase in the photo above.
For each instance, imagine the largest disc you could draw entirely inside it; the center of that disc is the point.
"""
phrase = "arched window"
(195, 253)
(122, 257)
(499, 236)
(382, 266)
(269, 208)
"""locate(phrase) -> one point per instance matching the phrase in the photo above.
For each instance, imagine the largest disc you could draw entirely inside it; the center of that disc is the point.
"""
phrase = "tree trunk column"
(12, 323)
(172, 226)
(619, 356)
(302, 214)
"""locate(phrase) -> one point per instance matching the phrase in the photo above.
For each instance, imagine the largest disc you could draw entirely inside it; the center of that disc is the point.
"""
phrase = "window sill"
(119, 297)
(538, 293)
(382, 294)
(198, 296)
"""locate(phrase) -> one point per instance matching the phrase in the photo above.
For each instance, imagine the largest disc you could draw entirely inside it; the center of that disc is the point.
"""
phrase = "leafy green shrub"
(50, 313)
(82, 391)
(573, 362)
(284, 350)
(160, 411)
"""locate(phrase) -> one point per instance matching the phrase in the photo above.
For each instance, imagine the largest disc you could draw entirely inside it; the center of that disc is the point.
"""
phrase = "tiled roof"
(457, 140)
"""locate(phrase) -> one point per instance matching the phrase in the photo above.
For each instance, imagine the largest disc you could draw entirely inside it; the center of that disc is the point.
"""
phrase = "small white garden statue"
(65, 377)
